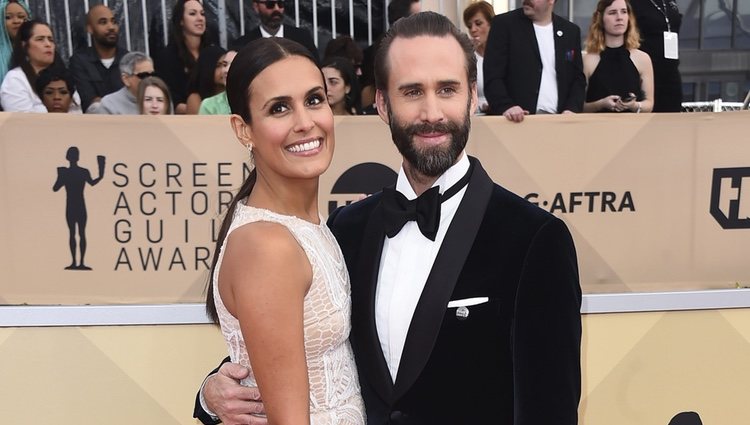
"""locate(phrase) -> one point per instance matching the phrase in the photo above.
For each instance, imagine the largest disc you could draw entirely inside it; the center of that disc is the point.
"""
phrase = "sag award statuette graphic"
(74, 179)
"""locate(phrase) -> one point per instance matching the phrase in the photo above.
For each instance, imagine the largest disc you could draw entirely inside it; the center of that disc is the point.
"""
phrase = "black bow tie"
(425, 209)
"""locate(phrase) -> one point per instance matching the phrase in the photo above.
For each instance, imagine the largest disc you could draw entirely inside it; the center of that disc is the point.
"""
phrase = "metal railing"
(144, 24)
(712, 106)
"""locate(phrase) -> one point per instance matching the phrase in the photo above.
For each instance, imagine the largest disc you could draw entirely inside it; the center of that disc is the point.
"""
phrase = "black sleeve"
(577, 91)
(546, 340)
(198, 411)
(496, 67)
(84, 86)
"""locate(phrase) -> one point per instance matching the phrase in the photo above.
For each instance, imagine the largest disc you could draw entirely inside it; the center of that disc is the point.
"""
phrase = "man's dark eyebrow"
(412, 86)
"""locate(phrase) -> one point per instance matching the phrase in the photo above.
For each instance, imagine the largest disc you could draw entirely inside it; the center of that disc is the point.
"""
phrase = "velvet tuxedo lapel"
(428, 316)
(370, 354)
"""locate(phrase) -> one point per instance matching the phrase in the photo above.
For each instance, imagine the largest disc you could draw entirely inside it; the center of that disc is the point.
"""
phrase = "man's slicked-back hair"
(429, 24)
(250, 61)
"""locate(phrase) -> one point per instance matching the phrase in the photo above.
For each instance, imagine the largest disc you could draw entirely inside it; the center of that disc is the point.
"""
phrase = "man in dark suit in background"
(533, 63)
(271, 14)
(471, 313)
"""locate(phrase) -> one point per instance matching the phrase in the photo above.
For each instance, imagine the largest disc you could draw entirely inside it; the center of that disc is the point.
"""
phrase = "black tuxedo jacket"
(514, 360)
(290, 32)
(513, 67)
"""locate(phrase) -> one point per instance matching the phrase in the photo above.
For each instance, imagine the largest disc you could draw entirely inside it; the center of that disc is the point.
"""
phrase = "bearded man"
(271, 15)
(96, 69)
(465, 297)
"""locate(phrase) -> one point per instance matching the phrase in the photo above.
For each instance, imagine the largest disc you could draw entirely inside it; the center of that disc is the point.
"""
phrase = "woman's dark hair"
(178, 37)
(353, 99)
(202, 77)
(21, 47)
(53, 73)
(479, 7)
(344, 46)
(250, 61)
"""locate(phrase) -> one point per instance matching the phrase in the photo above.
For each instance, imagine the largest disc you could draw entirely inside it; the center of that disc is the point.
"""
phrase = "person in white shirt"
(465, 297)
(477, 18)
(532, 63)
(33, 51)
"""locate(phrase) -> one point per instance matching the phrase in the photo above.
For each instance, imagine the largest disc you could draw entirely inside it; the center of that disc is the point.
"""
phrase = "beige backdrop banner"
(654, 202)
(638, 368)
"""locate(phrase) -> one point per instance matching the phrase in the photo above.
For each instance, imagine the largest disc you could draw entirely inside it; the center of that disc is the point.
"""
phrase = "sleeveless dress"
(615, 74)
(334, 387)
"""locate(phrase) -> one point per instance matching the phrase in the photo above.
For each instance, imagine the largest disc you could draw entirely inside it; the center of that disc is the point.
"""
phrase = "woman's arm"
(263, 280)
(642, 62)
(193, 104)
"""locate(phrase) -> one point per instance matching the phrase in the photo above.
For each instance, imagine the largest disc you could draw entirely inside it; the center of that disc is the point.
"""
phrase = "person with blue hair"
(16, 12)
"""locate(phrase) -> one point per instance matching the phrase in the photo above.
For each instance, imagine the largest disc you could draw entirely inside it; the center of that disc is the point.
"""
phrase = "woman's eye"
(315, 99)
(278, 108)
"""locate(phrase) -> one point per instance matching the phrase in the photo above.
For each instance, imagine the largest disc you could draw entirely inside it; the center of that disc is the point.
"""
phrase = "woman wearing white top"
(33, 51)
(478, 18)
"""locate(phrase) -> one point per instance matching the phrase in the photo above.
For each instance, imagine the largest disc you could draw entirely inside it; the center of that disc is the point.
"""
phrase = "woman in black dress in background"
(654, 18)
(619, 76)
(176, 61)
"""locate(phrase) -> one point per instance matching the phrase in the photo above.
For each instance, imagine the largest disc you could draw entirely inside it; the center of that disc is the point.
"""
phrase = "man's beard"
(105, 41)
(273, 21)
(435, 160)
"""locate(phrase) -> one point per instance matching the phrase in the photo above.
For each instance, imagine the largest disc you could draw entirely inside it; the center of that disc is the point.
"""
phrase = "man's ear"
(382, 105)
(242, 131)
(89, 29)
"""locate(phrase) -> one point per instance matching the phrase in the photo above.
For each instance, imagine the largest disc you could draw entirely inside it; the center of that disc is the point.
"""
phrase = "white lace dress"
(334, 388)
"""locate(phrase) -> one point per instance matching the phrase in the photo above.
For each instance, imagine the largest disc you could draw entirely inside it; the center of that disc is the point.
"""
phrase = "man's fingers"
(234, 371)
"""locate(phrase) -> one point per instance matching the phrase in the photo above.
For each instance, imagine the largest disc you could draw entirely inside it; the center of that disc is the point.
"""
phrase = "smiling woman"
(279, 287)
(176, 62)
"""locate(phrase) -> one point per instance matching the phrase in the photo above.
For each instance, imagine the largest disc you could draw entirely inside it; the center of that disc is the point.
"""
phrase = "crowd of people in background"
(529, 61)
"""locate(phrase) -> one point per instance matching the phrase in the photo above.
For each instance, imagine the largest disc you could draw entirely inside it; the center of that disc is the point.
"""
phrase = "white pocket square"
(468, 302)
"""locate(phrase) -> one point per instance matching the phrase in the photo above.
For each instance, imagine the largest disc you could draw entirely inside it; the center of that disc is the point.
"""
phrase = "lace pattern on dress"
(334, 387)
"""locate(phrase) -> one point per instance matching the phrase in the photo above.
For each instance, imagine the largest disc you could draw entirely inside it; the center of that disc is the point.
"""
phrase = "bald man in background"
(96, 69)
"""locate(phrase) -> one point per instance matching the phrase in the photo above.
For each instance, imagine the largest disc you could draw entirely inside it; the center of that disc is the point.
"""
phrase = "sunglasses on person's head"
(272, 3)
(143, 75)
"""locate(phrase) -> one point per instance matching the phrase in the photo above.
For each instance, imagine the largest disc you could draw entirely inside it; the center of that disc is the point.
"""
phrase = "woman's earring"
(249, 147)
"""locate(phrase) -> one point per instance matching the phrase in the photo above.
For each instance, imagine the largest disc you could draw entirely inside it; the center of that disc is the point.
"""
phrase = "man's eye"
(447, 91)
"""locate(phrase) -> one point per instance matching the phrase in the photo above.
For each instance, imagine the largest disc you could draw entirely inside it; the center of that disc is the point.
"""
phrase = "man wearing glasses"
(134, 67)
(271, 14)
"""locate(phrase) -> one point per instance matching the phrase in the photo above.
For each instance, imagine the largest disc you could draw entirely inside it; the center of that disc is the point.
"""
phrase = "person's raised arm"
(263, 280)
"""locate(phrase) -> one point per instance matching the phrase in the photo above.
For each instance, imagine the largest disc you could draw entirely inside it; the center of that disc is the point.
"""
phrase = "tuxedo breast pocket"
(471, 309)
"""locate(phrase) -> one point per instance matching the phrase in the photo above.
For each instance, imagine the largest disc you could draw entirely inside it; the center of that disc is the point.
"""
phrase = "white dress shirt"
(547, 100)
(16, 94)
(266, 34)
(405, 264)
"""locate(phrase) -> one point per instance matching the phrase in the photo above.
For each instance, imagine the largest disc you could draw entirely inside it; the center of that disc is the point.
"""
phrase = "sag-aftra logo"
(730, 197)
